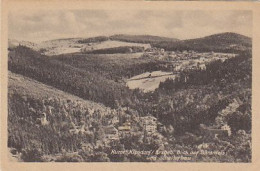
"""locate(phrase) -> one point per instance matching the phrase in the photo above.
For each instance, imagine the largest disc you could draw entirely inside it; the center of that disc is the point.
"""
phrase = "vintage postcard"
(127, 83)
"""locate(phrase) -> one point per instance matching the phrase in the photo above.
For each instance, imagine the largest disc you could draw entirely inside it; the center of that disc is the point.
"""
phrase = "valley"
(79, 99)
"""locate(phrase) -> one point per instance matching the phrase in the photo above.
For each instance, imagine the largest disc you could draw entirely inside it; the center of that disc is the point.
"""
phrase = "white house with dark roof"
(149, 123)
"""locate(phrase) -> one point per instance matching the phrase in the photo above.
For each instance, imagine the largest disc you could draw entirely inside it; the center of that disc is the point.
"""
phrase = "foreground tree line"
(57, 138)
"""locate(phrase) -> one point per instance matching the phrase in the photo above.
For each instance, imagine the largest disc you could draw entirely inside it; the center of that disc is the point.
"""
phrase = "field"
(148, 81)
(65, 46)
(112, 44)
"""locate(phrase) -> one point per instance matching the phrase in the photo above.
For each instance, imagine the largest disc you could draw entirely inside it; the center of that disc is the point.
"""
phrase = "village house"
(154, 53)
(91, 111)
(202, 66)
(160, 127)
(227, 128)
(202, 58)
(105, 120)
(191, 67)
(150, 50)
(111, 133)
(177, 68)
(150, 127)
(125, 127)
(114, 120)
(203, 146)
(171, 53)
(162, 51)
(99, 144)
(42, 120)
(149, 124)
(185, 52)
(77, 129)
(210, 133)
(148, 118)
(87, 146)
(231, 107)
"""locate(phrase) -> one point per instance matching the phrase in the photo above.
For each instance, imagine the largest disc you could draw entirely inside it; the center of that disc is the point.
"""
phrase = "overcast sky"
(46, 24)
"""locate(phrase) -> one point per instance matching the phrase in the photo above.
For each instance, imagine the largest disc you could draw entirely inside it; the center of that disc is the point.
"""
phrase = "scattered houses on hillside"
(111, 133)
(181, 59)
(42, 120)
(125, 127)
(231, 107)
(210, 133)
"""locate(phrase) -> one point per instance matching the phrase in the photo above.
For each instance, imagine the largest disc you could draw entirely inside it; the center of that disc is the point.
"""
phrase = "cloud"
(49, 24)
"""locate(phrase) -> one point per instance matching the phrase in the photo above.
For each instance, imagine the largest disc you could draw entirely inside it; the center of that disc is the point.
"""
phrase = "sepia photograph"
(129, 85)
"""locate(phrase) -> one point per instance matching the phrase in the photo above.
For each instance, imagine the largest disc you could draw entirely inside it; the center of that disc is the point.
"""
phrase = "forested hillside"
(196, 97)
(44, 121)
(128, 38)
(122, 49)
(112, 66)
(94, 39)
(90, 77)
(224, 42)
(141, 38)
(88, 85)
(219, 95)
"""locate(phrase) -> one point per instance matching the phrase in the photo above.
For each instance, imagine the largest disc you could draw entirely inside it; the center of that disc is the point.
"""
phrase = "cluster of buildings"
(149, 126)
(221, 127)
(210, 133)
(185, 60)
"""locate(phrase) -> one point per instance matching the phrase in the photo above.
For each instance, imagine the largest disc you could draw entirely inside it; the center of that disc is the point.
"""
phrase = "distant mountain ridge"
(226, 38)
(225, 42)
(229, 35)
(141, 38)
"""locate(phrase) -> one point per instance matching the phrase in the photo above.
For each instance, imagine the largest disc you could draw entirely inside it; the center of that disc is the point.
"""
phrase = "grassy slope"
(228, 42)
